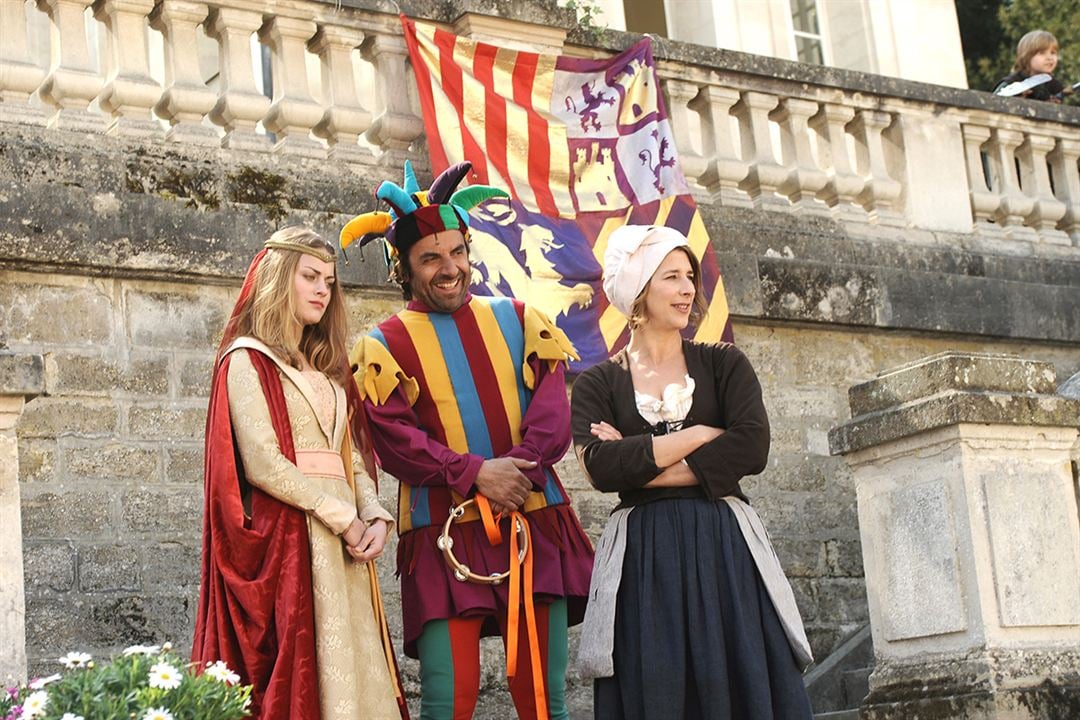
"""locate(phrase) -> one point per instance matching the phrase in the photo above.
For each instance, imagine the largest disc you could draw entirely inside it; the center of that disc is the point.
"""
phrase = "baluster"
(19, 75)
(130, 92)
(984, 200)
(294, 111)
(804, 179)
(1063, 159)
(765, 175)
(680, 93)
(1014, 205)
(841, 192)
(1035, 180)
(187, 99)
(395, 129)
(73, 81)
(345, 119)
(880, 191)
(240, 105)
(724, 170)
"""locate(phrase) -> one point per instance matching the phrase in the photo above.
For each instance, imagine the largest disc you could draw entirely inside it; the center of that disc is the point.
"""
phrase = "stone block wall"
(123, 285)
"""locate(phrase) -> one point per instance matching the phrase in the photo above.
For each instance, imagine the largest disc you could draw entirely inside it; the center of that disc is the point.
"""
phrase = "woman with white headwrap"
(690, 615)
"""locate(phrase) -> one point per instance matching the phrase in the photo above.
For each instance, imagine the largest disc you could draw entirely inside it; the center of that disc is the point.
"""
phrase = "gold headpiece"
(300, 247)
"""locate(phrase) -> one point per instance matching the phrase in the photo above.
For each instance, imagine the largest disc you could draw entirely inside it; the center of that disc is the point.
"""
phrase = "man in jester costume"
(467, 403)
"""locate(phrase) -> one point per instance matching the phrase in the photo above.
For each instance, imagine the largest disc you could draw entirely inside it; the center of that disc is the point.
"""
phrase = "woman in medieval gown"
(289, 596)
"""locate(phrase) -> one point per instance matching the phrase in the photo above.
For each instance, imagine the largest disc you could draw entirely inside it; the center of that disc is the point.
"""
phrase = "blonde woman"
(289, 597)
(689, 614)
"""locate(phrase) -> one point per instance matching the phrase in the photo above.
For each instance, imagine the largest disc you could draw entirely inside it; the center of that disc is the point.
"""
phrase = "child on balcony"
(1036, 54)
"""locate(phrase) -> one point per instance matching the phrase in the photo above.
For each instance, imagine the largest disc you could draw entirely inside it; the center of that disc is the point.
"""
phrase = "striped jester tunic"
(470, 385)
(471, 378)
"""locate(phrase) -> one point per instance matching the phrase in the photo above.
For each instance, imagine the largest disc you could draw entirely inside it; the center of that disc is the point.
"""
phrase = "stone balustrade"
(751, 131)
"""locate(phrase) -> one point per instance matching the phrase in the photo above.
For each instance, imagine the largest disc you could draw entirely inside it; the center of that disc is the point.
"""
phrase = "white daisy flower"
(39, 683)
(34, 704)
(157, 714)
(71, 716)
(164, 676)
(142, 650)
(221, 672)
(75, 660)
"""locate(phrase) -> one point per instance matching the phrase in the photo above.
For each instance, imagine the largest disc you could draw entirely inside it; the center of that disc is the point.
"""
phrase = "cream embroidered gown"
(354, 680)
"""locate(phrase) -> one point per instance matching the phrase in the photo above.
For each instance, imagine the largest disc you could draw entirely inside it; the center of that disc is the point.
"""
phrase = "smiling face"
(313, 282)
(1044, 61)
(439, 270)
(669, 298)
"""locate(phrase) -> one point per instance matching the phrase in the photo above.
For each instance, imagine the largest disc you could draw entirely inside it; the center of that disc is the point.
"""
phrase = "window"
(807, 30)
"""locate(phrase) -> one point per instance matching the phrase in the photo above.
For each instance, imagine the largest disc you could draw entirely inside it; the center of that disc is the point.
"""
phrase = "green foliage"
(990, 30)
(145, 683)
(588, 16)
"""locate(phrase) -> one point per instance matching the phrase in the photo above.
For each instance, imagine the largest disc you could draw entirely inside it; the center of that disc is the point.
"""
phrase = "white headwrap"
(632, 256)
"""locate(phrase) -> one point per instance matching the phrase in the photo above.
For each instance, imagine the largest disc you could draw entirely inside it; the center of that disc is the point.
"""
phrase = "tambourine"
(462, 573)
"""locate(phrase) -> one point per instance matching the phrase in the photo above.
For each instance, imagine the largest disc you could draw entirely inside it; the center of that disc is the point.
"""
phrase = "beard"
(439, 300)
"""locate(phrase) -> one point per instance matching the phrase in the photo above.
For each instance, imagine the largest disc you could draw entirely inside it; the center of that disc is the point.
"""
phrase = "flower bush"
(145, 682)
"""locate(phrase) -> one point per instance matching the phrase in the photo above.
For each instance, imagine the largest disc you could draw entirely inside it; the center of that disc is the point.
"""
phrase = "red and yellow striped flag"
(583, 147)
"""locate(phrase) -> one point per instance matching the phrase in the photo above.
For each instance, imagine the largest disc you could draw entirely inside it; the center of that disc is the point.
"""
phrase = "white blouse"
(672, 407)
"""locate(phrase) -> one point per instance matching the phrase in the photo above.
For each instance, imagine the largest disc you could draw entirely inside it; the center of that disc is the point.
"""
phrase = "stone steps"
(838, 715)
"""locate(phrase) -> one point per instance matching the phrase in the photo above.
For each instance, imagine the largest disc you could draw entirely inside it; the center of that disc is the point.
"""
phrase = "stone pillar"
(764, 175)
(680, 93)
(725, 169)
(240, 106)
(130, 92)
(805, 179)
(186, 99)
(345, 118)
(1035, 179)
(22, 377)
(841, 192)
(73, 81)
(880, 192)
(1015, 205)
(1063, 159)
(984, 201)
(19, 75)
(397, 126)
(294, 111)
(970, 538)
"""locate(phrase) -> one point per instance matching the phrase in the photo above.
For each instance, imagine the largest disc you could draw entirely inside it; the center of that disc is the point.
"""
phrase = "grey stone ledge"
(22, 374)
(951, 370)
(952, 408)
(943, 680)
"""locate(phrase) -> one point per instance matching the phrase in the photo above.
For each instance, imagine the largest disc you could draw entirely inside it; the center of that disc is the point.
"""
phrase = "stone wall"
(120, 257)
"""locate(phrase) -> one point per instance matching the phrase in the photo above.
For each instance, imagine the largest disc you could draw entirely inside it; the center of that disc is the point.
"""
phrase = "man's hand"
(371, 541)
(500, 480)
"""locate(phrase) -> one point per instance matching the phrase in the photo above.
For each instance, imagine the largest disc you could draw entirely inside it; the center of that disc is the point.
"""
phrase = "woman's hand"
(604, 431)
(371, 541)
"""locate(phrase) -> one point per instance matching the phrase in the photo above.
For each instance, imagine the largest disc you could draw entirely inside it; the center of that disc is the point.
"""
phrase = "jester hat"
(415, 213)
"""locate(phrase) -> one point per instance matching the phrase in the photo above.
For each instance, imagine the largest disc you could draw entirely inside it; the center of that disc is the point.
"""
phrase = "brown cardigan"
(726, 394)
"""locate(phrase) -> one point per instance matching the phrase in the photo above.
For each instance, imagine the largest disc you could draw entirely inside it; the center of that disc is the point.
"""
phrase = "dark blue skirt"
(696, 635)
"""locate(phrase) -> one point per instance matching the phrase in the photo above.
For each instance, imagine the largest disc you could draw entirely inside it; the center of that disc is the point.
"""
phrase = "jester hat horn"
(415, 213)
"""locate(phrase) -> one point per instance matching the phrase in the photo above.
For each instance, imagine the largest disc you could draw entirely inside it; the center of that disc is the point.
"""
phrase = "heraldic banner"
(583, 147)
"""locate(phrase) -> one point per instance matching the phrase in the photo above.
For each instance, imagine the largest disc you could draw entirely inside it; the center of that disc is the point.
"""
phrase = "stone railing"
(751, 131)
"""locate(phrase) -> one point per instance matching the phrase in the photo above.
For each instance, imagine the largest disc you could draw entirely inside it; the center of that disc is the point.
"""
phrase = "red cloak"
(256, 612)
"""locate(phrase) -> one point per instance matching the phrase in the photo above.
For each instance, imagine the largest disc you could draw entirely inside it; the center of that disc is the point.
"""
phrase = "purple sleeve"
(545, 427)
(408, 453)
